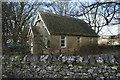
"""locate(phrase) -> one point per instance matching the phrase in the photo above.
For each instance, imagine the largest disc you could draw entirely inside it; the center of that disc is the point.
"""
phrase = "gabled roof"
(64, 25)
(35, 30)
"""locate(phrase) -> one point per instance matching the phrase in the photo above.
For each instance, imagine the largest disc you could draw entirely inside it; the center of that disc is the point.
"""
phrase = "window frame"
(64, 41)
(78, 39)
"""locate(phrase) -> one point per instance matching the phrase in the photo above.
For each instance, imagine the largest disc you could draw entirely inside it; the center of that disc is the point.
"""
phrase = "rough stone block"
(92, 59)
(49, 59)
(117, 58)
(79, 59)
(55, 58)
(105, 58)
(112, 59)
(44, 58)
(64, 58)
(99, 59)
(34, 58)
(85, 59)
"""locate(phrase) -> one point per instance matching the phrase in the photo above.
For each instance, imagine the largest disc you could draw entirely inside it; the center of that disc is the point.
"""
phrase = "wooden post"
(74, 50)
(60, 51)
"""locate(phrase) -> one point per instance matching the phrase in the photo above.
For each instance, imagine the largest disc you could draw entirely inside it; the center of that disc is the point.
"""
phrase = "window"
(63, 41)
(78, 39)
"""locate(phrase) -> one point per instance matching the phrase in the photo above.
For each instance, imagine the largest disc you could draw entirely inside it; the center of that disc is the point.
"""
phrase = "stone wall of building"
(37, 45)
(71, 43)
(103, 67)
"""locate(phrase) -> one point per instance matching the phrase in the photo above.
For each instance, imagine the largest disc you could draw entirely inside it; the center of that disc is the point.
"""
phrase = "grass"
(81, 64)
(97, 49)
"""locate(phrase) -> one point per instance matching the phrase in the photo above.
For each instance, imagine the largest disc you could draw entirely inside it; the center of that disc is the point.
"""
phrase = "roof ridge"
(59, 15)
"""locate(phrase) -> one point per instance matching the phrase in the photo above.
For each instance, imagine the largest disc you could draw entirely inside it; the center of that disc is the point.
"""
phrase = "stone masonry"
(99, 67)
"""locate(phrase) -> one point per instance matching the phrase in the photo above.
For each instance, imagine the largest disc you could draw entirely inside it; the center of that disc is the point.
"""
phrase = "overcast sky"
(109, 30)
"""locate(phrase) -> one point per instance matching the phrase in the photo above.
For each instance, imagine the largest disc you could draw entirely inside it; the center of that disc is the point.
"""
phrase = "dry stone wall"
(59, 66)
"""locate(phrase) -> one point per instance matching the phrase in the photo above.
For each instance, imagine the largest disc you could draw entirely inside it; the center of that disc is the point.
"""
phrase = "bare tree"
(16, 16)
(61, 8)
(98, 14)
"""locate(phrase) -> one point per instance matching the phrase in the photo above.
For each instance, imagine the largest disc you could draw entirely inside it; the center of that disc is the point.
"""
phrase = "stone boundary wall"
(92, 59)
(99, 67)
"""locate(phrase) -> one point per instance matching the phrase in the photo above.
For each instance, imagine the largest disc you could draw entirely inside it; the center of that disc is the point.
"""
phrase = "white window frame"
(78, 39)
(64, 42)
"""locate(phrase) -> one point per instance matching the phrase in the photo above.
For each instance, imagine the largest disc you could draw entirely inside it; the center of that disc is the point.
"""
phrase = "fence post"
(74, 50)
(60, 51)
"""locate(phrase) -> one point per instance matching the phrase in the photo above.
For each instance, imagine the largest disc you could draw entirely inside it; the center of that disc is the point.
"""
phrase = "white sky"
(109, 30)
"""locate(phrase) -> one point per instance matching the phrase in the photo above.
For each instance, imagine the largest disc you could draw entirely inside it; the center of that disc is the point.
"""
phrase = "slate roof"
(64, 25)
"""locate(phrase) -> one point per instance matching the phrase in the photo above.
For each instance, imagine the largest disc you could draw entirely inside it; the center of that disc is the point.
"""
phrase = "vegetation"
(16, 17)
(97, 14)
(97, 49)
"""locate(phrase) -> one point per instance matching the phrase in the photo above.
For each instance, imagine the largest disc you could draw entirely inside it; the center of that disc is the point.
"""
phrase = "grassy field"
(96, 50)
